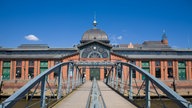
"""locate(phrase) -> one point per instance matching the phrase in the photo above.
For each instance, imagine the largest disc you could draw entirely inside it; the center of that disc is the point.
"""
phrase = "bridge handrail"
(168, 91)
(95, 98)
(23, 90)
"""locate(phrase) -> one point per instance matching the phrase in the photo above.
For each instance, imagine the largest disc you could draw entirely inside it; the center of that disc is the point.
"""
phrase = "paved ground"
(78, 99)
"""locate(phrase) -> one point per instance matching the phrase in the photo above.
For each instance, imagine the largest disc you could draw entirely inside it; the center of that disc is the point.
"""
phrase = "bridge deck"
(112, 99)
(78, 99)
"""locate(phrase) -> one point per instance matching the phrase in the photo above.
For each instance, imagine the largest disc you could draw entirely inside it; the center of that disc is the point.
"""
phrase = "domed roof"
(94, 34)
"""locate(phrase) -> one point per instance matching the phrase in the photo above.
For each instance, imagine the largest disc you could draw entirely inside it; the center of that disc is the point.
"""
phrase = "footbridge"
(119, 89)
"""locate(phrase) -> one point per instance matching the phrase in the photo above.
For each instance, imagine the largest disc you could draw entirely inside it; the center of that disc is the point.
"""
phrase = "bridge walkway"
(78, 99)
(112, 99)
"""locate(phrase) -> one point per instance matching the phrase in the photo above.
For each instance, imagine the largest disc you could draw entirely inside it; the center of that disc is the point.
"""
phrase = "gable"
(96, 42)
(94, 49)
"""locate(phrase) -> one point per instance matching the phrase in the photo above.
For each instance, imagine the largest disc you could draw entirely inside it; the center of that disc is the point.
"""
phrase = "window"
(134, 73)
(133, 62)
(133, 70)
(43, 63)
(157, 63)
(31, 72)
(95, 55)
(146, 67)
(182, 70)
(43, 66)
(170, 63)
(145, 64)
(170, 69)
(6, 70)
(94, 51)
(158, 73)
(56, 70)
(181, 64)
(170, 72)
(19, 63)
(18, 72)
(18, 69)
(158, 69)
(31, 63)
(31, 69)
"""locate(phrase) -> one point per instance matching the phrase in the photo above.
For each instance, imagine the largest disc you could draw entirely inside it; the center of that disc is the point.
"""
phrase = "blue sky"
(61, 23)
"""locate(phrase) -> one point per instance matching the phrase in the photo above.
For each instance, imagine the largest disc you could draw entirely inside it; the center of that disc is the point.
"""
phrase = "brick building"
(157, 57)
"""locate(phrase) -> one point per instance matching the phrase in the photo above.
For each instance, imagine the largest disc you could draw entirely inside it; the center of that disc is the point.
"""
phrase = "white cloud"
(119, 37)
(31, 37)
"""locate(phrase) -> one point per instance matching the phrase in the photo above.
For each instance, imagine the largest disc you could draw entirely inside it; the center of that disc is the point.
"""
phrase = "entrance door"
(95, 72)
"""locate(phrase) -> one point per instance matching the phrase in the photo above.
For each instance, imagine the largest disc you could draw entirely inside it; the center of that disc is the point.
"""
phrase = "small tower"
(164, 38)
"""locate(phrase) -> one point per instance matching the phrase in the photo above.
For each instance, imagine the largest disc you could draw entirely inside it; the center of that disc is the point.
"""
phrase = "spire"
(164, 36)
(94, 21)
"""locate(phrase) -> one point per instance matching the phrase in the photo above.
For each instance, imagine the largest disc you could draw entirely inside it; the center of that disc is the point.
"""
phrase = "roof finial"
(164, 34)
(94, 21)
(163, 31)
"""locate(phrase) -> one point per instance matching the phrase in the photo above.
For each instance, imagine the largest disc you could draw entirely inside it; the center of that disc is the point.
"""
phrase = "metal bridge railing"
(95, 98)
(123, 82)
(48, 91)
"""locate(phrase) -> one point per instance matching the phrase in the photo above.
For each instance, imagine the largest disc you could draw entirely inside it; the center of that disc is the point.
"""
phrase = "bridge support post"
(147, 93)
(79, 77)
(43, 89)
(73, 78)
(113, 77)
(68, 77)
(130, 83)
(59, 83)
(122, 79)
(76, 79)
(110, 76)
(116, 85)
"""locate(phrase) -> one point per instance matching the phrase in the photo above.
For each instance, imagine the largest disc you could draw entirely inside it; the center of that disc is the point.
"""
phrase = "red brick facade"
(163, 67)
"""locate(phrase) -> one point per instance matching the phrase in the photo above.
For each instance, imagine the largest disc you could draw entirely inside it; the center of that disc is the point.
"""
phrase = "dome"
(94, 34)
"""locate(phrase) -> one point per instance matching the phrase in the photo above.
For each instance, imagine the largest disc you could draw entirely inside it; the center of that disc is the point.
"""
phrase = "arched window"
(95, 55)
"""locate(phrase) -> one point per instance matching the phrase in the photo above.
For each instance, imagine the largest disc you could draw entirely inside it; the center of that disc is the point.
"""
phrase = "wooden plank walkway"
(78, 99)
